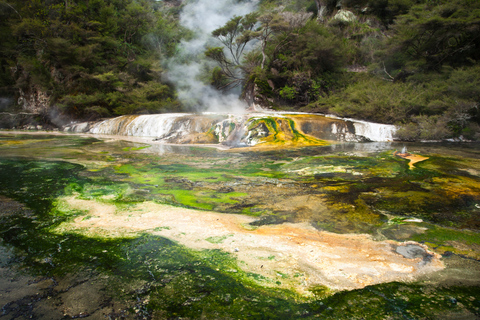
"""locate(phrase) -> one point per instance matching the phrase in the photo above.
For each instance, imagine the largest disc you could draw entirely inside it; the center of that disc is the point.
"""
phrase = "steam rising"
(202, 17)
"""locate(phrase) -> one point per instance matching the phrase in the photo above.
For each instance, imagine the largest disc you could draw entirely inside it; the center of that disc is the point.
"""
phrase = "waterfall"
(342, 132)
(139, 126)
(374, 131)
(169, 127)
(237, 130)
(371, 131)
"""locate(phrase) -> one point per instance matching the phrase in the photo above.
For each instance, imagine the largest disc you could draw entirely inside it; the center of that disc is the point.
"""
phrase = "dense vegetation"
(89, 57)
(414, 63)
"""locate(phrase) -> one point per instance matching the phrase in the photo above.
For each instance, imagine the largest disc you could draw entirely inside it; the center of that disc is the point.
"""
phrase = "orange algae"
(413, 158)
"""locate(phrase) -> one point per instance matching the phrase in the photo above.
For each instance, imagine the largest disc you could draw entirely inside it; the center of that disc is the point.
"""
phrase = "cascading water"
(238, 130)
(374, 131)
(159, 125)
(140, 126)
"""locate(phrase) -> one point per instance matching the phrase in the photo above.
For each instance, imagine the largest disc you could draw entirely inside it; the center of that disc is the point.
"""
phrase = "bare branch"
(388, 74)
(6, 3)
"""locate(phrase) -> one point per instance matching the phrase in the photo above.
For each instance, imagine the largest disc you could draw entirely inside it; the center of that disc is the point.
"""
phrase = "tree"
(306, 66)
(234, 35)
(90, 58)
(429, 37)
(257, 28)
(324, 7)
(321, 9)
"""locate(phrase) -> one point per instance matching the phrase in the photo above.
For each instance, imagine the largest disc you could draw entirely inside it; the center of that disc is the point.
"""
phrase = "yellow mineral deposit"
(294, 256)
(284, 133)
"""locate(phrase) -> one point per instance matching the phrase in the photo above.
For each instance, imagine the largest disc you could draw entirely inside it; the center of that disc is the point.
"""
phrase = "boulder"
(345, 15)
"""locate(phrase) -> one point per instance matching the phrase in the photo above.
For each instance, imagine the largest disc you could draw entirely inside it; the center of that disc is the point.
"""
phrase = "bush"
(425, 128)
(92, 57)
(288, 93)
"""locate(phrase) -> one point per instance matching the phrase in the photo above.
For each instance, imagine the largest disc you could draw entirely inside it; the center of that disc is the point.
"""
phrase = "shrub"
(288, 93)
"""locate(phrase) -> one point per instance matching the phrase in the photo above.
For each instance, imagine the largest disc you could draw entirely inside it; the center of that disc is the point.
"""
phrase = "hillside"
(89, 58)
(413, 63)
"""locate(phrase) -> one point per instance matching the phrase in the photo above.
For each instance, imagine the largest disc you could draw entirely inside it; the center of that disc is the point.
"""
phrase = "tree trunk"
(322, 9)
(264, 56)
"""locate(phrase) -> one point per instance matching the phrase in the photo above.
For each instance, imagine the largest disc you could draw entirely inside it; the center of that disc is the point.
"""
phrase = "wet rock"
(9, 207)
(44, 283)
(268, 220)
(82, 299)
(414, 251)
(411, 251)
(447, 254)
(225, 190)
(184, 183)
(242, 205)
(402, 232)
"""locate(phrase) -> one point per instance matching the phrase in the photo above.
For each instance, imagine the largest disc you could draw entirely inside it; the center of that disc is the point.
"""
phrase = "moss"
(161, 228)
(129, 149)
(126, 168)
(429, 192)
(218, 239)
(258, 277)
(397, 300)
(189, 199)
(321, 292)
(442, 240)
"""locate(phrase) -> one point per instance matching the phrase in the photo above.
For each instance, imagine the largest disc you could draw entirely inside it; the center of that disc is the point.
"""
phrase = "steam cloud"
(202, 17)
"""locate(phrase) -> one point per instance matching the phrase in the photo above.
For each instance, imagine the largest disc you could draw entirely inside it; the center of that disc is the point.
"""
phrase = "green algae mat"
(78, 239)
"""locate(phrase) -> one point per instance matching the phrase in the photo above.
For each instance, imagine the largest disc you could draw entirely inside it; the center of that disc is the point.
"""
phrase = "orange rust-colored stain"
(413, 158)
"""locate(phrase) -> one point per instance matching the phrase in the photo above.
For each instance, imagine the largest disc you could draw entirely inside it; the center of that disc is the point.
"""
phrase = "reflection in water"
(372, 147)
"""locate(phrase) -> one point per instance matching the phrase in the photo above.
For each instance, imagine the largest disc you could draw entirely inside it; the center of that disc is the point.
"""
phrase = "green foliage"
(288, 93)
(93, 58)
(235, 35)
(269, 28)
(430, 36)
(371, 98)
(103, 58)
(388, 10)
(427, 106)
(263, 87)
(313, 50)
(425, 128)
(303, 64)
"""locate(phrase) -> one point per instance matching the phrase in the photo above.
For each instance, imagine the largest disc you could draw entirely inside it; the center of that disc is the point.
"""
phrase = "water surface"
(53, 269)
